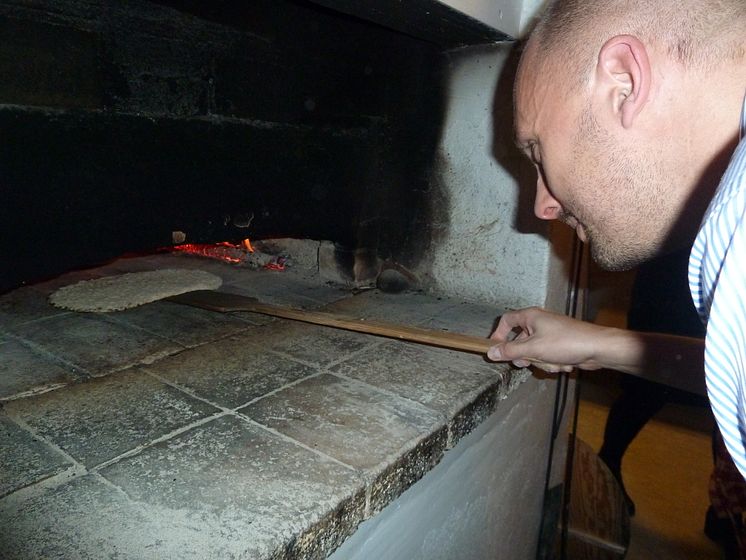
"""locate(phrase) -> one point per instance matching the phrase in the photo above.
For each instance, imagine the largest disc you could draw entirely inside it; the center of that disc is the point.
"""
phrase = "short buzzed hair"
(695, 33)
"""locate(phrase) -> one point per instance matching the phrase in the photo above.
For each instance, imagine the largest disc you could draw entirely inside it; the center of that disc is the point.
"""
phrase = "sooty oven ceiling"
(122, 122)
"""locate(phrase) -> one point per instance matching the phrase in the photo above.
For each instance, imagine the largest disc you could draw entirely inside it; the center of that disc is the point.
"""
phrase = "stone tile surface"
(95, 343)
(89, 519)
(404, 469)
(404, 309)
(331, 426)
(24, 369)
(231, 372)
(253, 489)
(443, 380)
(346, 420)
(286, 288)
(102, 419)
(84, 519)
(467, 318)
(317, 345)
(24, 459)
(187, 326)
(24, 305)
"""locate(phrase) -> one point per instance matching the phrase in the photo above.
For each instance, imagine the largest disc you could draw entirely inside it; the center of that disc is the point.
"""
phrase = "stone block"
(230, 372)
(184, 325)
(313, 344)
(94, 343)
(22, 369)
(350, 421)
(23, 306)
(467, 318)
(405, 309)
(100, 420)
(442, 380)
(246, 491)
(286, 288)
(24, 459)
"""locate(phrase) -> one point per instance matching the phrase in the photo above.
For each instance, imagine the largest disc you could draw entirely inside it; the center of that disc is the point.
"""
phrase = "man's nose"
(546, 207)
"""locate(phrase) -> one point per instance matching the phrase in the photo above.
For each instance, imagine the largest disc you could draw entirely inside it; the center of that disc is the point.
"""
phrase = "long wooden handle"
(226, 302)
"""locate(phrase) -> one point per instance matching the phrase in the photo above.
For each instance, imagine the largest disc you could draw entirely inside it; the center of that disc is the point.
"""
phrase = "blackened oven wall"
(121, 122)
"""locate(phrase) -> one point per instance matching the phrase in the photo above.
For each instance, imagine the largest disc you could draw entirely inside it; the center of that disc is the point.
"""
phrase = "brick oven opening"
(132, 126)
(296, 150)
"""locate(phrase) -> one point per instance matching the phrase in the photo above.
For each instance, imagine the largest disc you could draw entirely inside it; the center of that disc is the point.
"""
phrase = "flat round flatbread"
(115, 293)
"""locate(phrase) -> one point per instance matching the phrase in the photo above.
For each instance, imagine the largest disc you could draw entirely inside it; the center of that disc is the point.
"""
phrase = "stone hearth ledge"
(245, 438)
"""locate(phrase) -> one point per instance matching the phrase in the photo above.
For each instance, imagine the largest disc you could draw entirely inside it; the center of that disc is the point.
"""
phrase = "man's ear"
(624, 74)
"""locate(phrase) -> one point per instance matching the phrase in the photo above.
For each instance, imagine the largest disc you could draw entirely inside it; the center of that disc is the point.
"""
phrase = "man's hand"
(557, 343)
(546, 340)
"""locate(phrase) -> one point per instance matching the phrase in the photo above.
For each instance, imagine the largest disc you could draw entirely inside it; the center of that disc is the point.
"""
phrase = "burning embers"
(242, 253)
(357, 269)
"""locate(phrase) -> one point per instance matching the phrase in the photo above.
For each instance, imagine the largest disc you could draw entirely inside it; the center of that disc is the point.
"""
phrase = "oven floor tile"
(23, 306)
(286, 288)
(234, 435)
(312, 344)
(392, 441)
(230, 372)
(90, 517)
(237, 486)
(84, 518)
(406, 309)
(24, 459)
(24, 370)
(100, 420)
(442, 380)
(467, 318)
(350, 421)
(94, 343)
(184, 325)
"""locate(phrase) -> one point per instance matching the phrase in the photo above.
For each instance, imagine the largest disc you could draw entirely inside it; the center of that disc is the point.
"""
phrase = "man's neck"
(718, 98)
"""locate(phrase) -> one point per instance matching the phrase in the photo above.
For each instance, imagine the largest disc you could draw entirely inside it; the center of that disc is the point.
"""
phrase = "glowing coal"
(235, 253)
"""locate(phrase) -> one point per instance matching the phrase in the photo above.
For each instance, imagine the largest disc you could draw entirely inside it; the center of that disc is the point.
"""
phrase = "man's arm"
(555, 343)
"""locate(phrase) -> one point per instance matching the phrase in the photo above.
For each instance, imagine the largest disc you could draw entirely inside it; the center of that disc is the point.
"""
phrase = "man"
(630, 111)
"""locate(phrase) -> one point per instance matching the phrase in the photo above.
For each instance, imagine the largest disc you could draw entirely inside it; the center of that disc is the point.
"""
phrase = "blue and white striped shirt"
(717, 279)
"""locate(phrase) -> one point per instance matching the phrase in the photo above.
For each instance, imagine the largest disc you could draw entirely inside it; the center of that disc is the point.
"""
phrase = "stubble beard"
(614, 257)
(632, 186)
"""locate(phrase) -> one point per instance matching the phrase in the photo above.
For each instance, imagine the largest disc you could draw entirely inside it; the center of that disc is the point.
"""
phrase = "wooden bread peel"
(225, 302)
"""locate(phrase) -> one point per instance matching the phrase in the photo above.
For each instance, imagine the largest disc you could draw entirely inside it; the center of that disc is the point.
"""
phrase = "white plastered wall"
(490, 245)
(512, 17)
(481, 502)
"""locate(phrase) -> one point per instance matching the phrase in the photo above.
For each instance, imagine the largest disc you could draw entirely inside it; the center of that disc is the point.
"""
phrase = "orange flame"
(228, 252)
(223, 251)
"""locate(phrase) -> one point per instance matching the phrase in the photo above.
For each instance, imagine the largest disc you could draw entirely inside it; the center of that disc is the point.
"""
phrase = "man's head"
(609, 103)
